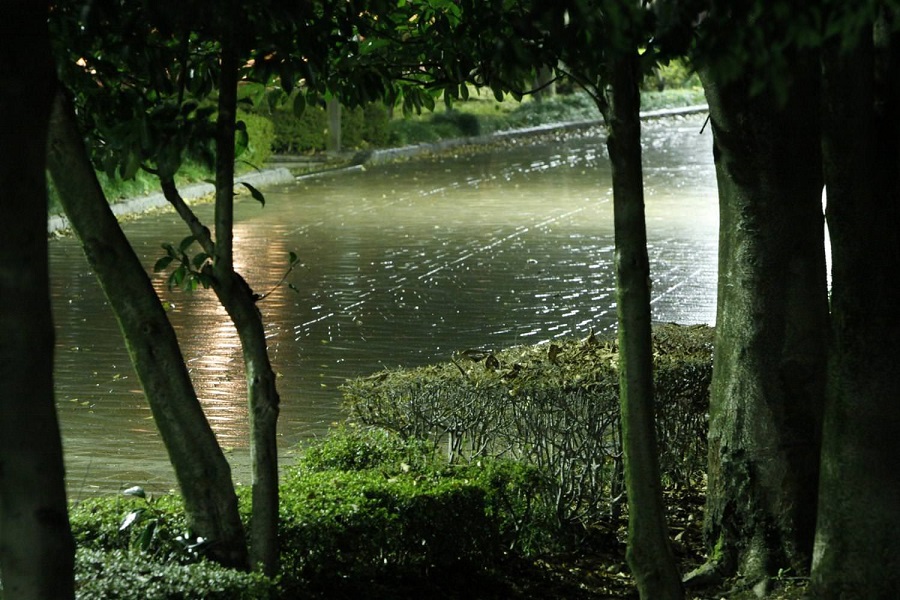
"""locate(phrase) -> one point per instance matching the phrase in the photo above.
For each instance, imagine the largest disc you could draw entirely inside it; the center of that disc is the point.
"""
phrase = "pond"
(401, 265)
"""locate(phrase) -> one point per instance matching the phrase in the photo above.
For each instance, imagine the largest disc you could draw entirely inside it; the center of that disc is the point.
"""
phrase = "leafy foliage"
(554, 406)
(190, 272)
(260, 139)
(128, 575)
(136, 522)
(364, 503)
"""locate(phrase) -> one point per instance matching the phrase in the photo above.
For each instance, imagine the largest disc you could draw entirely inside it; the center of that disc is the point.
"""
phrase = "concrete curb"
(191, 192)
(389, 154)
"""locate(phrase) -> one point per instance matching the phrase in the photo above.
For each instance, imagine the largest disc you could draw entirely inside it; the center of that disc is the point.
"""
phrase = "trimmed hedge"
(120, 575)
(361, 505)
(367, 504)
(554, 406)
(261, 132)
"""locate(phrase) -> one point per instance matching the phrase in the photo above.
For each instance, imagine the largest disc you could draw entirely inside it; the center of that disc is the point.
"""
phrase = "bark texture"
(772, 314)
(201, 469)
(857, 546)
(649, 552)
(35, 538)
(239, 301)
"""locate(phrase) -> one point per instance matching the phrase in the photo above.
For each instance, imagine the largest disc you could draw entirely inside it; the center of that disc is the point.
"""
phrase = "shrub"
(672, 98)
(556, 109)
(354, 448)
(134, 521)
(305, 133)
(122, 575)
(467, 125)
(353, 127)
(397, 510)
(376, 119)
(261, 132)
(554, 406)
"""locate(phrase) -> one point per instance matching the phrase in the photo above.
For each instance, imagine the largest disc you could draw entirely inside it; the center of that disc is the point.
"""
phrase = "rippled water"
(401, 265)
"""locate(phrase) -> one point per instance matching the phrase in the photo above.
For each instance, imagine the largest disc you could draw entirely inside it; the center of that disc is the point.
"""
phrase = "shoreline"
(275, 175)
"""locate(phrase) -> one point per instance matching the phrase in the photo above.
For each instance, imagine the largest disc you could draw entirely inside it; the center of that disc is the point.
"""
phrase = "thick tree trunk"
(649, 552)
(36, 546)
(203, 473)
(857, 549)
(769, 365)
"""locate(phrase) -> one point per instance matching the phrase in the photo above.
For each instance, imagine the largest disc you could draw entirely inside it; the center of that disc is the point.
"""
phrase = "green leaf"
(147, 536)
(205, 280)
(188, 107)
(186, 243)
(137, 491)
(163, 263)
(177, 277)
(257, 195)
(130, 519)
(199, 260)
(292, 258)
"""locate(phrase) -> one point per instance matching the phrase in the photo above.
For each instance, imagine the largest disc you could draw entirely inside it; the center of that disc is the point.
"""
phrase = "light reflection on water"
(401, 265)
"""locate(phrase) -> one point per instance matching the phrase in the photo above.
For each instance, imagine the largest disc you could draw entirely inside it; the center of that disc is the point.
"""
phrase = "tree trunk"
(649, 552)
(36, 545)
(857, 549)
(239, 301)
(236, 296)
(203, 473)
(772, 315)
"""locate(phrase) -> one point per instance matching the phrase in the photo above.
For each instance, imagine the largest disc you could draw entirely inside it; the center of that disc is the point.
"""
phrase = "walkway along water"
(403, 263)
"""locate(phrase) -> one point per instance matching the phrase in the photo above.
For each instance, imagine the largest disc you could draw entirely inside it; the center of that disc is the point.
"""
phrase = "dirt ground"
(596, 571)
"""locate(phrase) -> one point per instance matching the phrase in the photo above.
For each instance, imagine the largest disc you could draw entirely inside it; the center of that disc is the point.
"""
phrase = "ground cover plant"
(378, 511)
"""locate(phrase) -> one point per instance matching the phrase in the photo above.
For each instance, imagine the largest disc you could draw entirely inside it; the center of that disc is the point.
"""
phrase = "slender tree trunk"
(857, 549)
(649, 552)
(203, 473)
(239, 301)
(36, 545)
(236, 296)
(769, 364)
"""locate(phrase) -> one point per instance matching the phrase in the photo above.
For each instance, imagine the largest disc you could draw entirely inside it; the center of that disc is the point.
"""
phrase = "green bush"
(261, 132)
(560, 108)
(376, 118)
(353, 127)
(397, 510)
(672, 98)
(155, 526)
(306, 133)
(121, 575)
(554, 406)
(354, 448)
(364, 127)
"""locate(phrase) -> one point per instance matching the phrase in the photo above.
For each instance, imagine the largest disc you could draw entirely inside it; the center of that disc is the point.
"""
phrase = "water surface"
(402, 264)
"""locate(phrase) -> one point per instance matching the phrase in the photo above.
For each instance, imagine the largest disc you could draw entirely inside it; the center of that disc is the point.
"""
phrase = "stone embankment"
(280, 175)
